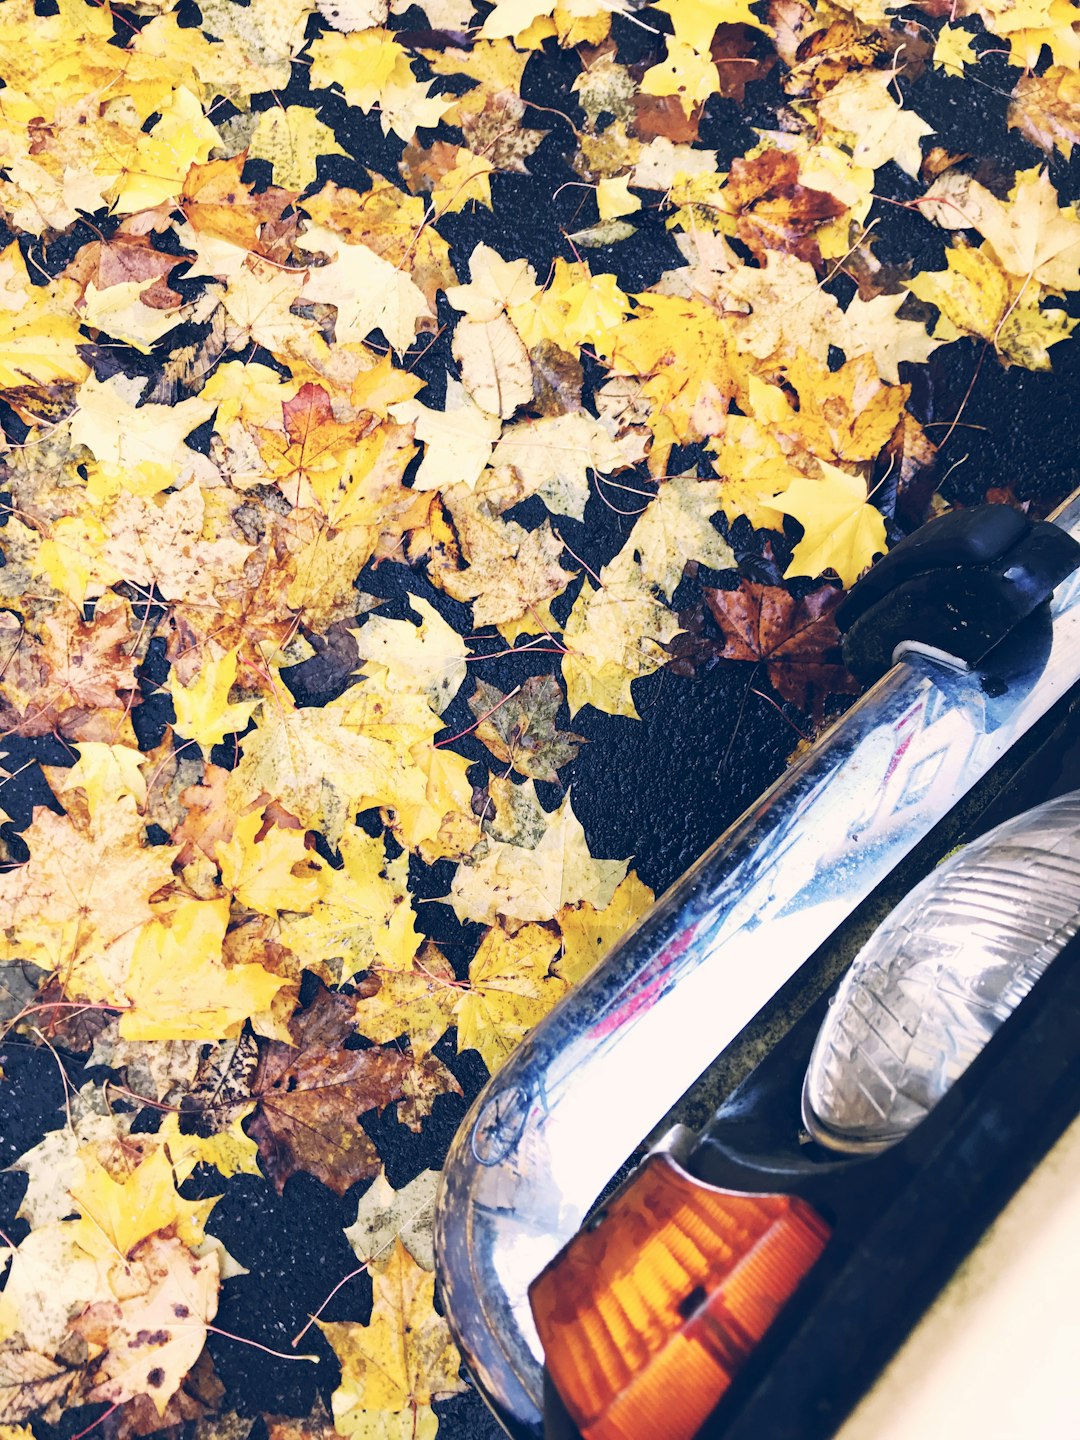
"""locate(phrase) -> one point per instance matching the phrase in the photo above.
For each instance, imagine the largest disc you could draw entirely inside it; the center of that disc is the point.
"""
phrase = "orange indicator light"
(646, 1317)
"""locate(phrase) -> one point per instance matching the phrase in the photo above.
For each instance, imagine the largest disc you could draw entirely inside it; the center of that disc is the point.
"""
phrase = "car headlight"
(939, 977)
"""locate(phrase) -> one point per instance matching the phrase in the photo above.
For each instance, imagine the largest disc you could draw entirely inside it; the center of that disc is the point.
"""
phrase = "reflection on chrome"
(608, 1063)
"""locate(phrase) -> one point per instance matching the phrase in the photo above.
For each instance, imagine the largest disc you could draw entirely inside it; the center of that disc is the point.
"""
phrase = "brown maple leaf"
(557, 379)
(873, 276)
(741, 55)
(422, 168)
(312, 1093)
(796, 640)
(123, 259)
(76, 678)
(776, 211)
(663, 117)
(912, 451)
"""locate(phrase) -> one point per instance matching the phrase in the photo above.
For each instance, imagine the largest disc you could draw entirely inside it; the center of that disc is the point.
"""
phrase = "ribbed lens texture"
(941, 974)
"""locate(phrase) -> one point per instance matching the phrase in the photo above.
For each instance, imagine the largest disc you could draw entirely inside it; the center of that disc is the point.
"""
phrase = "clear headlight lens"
(939, 976)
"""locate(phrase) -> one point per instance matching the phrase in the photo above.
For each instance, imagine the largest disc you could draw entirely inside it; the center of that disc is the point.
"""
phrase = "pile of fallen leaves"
(275, 328)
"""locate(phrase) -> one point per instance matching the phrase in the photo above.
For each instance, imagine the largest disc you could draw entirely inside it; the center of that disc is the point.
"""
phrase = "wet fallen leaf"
(385, 1215)
(312, 1093)
(519, 728)
(398, 1363)
(796, 640)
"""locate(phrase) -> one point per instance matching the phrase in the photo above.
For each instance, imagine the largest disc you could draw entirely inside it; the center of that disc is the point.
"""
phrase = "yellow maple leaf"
(588, 933)
(51, 1279)
(292, 138)
(418, 1001)
(137, 447)
(258, 300)
(78, 903)
(511, 987)
(396, 1365)
(675, 528)
(495, 285)
(873, 326)
(313, 763)
(363, 916)
(101, 776)
(575, 308)
(40, 333)
(384, 1215)
(468, 179)
(976, 296)
(177, 983)
(867, 120)
(1028, 25)
(119, 311)
(373, 746)
(1046, 108)
(368, 292)
(157, 164)
(71, 558)
(846, 414)
(686, 353)
(695, 21)
(230, 1151)
(954, 50)
(841, 530)
(753, 467)
(519, 885)
(117, 1214)
(457, 438)
(615, 634)
(552, 457)
(363, 64)
(685, 73)
(613, 198)
(269, 874)
(426, 659)
(788, 311)
(203, 710)
(372, 68)
(1033, 237)
(530, 22)
(513, 573)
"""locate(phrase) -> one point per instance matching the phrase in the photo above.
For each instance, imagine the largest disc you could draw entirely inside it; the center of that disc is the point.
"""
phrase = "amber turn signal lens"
(646, 1317)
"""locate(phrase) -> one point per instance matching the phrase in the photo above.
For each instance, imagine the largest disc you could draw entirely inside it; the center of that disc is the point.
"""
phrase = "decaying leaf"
(519, 729)
(385, 1215)
(312, 1093)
